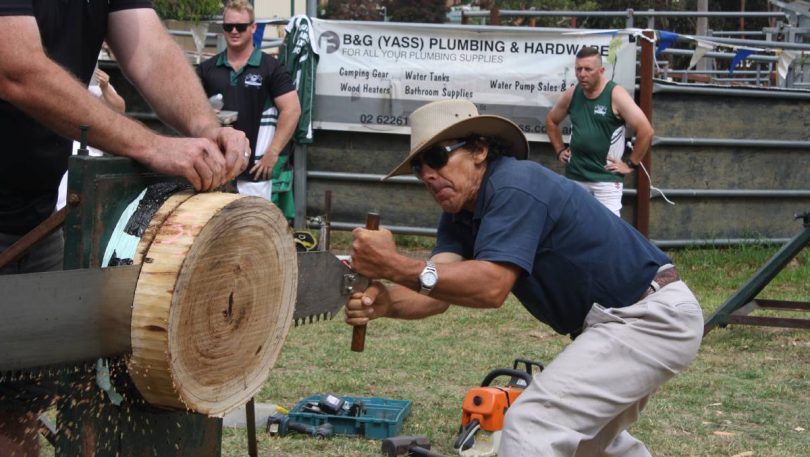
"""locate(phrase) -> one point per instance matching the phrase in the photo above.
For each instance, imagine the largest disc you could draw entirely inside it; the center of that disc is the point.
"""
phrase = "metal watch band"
(429, 271)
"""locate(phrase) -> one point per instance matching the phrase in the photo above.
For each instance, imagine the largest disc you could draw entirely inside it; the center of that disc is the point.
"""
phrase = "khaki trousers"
(583, 402)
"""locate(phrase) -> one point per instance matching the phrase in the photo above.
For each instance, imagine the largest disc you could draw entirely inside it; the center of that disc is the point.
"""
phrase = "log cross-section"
(214, 301)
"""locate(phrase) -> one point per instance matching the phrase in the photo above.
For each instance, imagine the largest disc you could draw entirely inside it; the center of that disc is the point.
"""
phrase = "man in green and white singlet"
(599, 110)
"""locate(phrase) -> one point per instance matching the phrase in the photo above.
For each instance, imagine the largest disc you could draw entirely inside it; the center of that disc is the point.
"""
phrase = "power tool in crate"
(484, 408)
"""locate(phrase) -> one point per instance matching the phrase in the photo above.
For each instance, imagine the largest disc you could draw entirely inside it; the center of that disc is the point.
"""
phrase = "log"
(213, 303)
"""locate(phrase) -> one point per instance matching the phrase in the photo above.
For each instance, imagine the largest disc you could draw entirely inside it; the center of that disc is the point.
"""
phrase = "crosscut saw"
(60, 319)
(79, 315)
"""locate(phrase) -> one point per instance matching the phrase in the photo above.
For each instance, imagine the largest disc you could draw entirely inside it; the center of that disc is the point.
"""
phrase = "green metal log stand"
(88, 424)
(737, 309)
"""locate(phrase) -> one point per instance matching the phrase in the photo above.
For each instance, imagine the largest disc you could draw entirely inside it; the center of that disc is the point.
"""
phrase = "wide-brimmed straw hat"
(453, 119)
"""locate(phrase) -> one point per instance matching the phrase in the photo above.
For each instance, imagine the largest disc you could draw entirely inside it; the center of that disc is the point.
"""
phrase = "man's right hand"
(236, 149)
(199, 160)
(565, 155)
(374, 303)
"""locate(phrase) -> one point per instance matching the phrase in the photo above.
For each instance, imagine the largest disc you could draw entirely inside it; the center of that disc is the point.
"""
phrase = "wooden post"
(494, 15)
(645, 103)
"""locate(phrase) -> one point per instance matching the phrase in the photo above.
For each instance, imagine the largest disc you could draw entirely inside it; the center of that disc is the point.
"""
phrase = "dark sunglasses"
(239, 27)
(435, 157)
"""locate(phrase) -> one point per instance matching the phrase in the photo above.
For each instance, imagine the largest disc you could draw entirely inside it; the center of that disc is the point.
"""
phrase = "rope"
(653, 187)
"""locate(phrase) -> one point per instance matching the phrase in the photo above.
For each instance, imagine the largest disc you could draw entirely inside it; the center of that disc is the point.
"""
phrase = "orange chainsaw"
(484, 408)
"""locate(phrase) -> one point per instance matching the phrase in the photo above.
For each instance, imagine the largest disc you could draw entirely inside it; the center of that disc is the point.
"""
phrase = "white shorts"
(609, 193)
(262, 189)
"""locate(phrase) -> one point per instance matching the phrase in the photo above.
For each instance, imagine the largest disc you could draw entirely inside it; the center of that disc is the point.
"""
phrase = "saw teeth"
(45, 373)
(327, 316)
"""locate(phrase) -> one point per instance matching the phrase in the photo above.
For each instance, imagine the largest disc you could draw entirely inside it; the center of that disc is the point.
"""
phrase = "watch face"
(428, 279)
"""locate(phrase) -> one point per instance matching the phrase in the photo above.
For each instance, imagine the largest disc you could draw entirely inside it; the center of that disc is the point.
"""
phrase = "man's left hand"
(263, 169)
(617, 166)
(236, 148)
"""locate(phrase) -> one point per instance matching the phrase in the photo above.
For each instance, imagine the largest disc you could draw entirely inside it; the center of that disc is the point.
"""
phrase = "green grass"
(747, 390)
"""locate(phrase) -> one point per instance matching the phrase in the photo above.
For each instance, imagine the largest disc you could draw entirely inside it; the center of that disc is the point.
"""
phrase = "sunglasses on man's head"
(435, 157)
(239, 27)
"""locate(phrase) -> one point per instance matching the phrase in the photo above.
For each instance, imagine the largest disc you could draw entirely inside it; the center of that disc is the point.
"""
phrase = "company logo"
(253, 80)
(329, 41)
(600, 110)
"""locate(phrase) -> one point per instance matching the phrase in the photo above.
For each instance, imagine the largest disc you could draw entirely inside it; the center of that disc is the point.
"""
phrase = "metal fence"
(759, 73)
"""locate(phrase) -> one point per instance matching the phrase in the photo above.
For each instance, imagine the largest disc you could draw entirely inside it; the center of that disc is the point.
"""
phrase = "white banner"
(372, 75)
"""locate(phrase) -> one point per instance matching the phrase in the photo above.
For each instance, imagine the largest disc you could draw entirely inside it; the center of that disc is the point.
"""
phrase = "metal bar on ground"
(748, 291)
(782, 322)
(787, 305)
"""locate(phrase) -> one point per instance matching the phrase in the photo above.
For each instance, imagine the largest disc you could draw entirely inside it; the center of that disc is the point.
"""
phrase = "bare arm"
(554, 118)
(469, 283)
(157, 67)
(631, 113)
(626, 108)
(108, 93)
(289, 110)
(45, 91)
(48, 93)
(155, 64)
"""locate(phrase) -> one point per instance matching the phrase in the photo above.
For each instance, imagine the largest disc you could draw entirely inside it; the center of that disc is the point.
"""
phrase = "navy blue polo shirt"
(573, 251)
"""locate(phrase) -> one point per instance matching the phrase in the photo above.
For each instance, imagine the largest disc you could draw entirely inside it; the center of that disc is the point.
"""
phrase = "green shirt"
(596, 133)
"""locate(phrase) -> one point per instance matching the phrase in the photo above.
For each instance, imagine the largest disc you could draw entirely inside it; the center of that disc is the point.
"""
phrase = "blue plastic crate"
(383, 417)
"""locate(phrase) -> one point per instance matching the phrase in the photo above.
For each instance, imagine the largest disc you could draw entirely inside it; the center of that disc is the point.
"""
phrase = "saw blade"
(58, 319)
(323, 286)
(67, 316)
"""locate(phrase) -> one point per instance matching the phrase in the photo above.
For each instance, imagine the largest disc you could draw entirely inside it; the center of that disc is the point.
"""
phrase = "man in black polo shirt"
(259, 88)
(48, 51)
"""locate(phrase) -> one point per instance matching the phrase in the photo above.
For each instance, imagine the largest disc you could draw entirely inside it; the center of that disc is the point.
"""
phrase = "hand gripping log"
(359, 331)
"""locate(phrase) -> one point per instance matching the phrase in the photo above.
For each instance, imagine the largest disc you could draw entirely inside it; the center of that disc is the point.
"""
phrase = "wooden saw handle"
(359, 331)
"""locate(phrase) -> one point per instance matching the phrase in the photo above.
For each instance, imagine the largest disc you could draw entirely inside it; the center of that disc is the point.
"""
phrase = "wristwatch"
(630, 163)
(428, 278)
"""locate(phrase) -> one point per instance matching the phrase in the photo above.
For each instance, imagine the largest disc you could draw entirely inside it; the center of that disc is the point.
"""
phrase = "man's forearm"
(407, 304)
(284, 132)
(59, 101)
(554, 136)
(112, 99)
(469, 283)
(162, 74)
(642, 144)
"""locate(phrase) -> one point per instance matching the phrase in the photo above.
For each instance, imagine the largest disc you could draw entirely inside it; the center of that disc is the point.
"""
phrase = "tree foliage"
(426, 11)
(354, 10)
(187, 10)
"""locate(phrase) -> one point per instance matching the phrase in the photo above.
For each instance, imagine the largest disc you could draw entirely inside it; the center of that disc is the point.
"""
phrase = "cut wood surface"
(214, 301)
